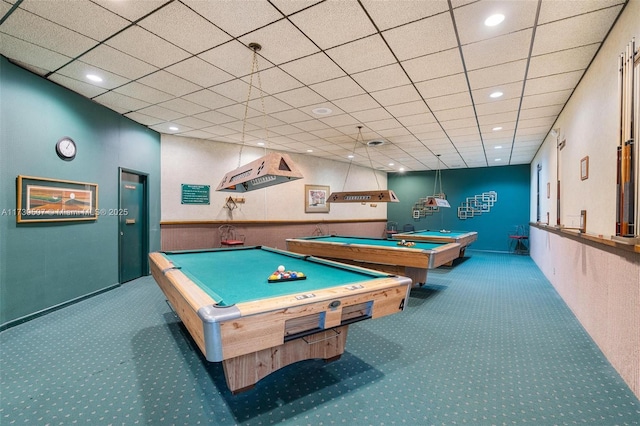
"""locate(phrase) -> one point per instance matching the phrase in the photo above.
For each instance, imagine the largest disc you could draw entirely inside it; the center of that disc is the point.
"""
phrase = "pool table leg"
(244, 371)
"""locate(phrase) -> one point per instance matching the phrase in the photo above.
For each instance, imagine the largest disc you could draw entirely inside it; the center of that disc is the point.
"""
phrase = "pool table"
(379, 253)
(464, 238)
(236, 316)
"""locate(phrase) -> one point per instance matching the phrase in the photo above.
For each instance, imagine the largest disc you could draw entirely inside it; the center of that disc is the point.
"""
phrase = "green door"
(132, 226)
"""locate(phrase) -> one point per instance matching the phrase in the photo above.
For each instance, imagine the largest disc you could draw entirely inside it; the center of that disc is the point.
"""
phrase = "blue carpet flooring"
(486, 342)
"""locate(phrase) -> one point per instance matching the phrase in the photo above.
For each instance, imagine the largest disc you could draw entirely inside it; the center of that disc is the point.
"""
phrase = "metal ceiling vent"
(375, 142)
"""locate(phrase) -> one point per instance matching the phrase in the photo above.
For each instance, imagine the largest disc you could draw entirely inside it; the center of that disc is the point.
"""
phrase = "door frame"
(144, 180)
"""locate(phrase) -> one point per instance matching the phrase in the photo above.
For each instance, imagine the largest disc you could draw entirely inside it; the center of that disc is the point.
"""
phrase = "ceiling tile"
(273, 81)
(381, 78)
(470, 19)
(199, 72)
(498, 74)
(552, 83)
(499, 50)
(140, 43)
(338, 88)
(110, 59)
(443, 86)
(85, 89)
(281, 42)
(302, 96)
(131, 10)
(29, 53)
(408, 109)
(435, 65)
(356, 103)
(233, 17)
(574, 32)
(169, 24)
(84, 17)
(169, 83)
(554, 10)
(429, 35)
(208, 99)
(234, 58)
(313, 69)
(181, 105)
(121, 102)
(79, 70)
(144, 93)
(335, 22)
(288, 7)
(388, 14)
(561, 62)
(360, 55)
(44, 33)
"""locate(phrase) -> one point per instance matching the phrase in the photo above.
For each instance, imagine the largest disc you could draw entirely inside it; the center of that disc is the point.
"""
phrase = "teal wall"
(512, 183)
(48, 264)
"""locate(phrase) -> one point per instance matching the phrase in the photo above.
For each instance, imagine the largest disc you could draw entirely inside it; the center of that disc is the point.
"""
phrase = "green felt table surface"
(381, 242)
(241, 274)
(435, 233)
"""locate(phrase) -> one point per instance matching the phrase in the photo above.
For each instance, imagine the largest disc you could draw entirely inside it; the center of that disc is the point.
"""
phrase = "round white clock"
(66, 148)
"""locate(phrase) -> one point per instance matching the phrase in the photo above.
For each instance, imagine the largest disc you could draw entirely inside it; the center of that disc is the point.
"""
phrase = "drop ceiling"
(416, 74)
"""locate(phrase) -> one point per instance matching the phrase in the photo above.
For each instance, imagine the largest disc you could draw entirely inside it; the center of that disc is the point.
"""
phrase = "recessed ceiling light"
(309, 150)
(401, 169)
(94, 77)
(174, 128)
(321, 111)
(498, 159)
(494, 20)
(391, 164)
(496, 129)
(497, 147)
(349, 156)
(375, 142)
(261, 143)
(496, 94)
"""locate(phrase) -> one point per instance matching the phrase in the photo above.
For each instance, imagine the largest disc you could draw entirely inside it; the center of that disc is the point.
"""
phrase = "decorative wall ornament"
(422, 208)
(478, 204)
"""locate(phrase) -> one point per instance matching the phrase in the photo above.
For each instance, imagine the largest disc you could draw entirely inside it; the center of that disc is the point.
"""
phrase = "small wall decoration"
(315, 199)
(195, 194)
(548, 189)
(53, 200)
(478, 204)
(584, 168)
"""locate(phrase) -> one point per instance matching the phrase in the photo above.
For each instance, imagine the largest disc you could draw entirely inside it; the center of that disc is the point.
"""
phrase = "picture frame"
(315, 198)
(584, 168)
(54, 200)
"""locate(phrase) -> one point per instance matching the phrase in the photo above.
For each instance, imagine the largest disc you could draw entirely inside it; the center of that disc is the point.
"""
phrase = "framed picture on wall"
(54, 200)
(315, 199)
(584, 168)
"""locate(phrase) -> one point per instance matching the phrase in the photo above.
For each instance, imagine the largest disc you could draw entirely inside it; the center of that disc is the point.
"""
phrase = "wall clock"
(66, 148)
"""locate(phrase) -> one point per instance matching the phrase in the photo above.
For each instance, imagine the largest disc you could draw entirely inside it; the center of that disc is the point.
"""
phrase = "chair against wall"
(408, 228)
(391, 228)
(519, 240)
(229, 236)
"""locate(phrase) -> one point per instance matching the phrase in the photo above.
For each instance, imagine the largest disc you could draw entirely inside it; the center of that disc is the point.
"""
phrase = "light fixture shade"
(437, 202)
(272, 169)
(378, 196)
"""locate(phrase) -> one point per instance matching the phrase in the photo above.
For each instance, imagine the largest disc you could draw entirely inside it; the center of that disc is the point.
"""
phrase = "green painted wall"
(47, 264)
(512, 183)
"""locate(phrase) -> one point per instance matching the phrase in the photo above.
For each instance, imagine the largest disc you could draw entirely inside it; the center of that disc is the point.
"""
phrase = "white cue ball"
(281, 268)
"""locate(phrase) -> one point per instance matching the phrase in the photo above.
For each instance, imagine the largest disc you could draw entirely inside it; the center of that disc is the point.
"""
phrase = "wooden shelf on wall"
(577, 235)
(265, 222)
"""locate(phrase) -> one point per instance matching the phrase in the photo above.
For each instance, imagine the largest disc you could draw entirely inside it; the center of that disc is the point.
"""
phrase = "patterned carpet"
(486, 342)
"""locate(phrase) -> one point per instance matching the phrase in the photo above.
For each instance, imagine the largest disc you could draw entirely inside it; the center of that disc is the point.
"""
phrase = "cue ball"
(281, 268)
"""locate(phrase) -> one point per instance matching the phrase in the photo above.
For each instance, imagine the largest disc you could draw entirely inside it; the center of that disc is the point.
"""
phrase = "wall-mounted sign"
(195, 194)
